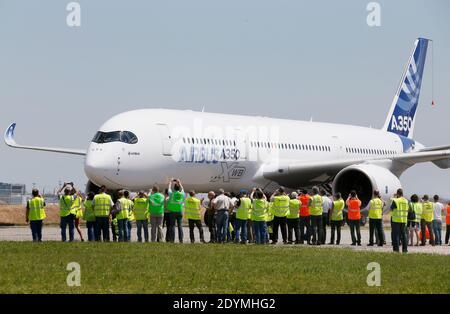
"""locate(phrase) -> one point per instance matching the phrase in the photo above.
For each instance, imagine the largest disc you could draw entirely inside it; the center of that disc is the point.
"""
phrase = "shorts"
(413, 224)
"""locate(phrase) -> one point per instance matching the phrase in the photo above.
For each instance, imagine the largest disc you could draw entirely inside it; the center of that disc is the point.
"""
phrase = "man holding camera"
(65, 206)
(354, 217)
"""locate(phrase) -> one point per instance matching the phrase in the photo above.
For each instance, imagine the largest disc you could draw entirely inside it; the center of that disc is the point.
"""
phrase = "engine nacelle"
(364, 179)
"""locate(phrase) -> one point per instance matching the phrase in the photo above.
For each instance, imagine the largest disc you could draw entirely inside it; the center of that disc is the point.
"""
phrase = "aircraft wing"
(288, 173)
(9, 140)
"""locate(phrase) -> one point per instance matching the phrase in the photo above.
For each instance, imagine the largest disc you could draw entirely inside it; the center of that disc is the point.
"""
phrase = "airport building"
(12, 193)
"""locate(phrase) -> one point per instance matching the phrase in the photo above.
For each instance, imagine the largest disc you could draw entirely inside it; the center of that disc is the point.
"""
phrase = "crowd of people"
(248, 217)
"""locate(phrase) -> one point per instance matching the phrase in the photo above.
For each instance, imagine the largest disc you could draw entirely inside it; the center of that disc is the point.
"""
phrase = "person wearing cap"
(243, 213)
(35, 215)
(293, 218)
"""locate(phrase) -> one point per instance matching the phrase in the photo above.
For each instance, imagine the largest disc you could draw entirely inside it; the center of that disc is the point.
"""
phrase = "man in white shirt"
(222, 205)
(437, 220)
(326, 205)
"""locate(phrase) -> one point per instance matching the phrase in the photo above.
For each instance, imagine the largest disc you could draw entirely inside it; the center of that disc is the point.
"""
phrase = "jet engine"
(364, 179)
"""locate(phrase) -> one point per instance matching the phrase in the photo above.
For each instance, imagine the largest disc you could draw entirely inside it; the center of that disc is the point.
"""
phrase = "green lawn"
(163, 268)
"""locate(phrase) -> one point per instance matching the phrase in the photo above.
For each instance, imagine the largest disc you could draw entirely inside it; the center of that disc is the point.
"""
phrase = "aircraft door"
(166, 139)
(241, 143)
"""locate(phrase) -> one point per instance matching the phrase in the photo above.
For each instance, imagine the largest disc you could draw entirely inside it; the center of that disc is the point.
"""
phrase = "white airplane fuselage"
(208, 151)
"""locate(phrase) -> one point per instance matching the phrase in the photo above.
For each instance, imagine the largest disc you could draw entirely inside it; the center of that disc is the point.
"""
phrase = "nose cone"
(100, 166)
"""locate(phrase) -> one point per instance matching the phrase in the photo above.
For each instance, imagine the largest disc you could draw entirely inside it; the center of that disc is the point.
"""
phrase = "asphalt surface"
(52, 233)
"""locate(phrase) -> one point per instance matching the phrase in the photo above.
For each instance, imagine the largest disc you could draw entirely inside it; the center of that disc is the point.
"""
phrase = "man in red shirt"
(354, 217)
(305, 221)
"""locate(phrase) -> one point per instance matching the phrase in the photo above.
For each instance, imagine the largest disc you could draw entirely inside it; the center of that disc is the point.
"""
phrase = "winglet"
(9, 135)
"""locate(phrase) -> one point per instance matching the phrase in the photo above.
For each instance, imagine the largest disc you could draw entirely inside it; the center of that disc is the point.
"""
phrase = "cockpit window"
(115, 136)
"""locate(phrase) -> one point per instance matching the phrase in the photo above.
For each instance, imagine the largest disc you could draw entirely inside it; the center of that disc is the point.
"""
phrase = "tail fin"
(400, 119)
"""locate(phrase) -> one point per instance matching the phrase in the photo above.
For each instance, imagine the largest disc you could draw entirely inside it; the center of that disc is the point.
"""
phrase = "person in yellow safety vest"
(376, 205)
(131, 216)
(121, 210)
(316, 211)
(89, 216)
(400, 208)
(414, 224)
(156, 209)
(243, 213)
(280, 211)
(175, 205)
(102, 204)
(427, 220)
(67, 218)
(35, 215)
(141, 214)
(193, 215)
(336, 218)
(77, 210)
(293, 219)
(259, 215)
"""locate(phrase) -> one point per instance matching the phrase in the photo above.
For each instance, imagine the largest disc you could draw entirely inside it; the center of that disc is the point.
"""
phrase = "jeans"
(292, 225)
(375, 224)
(279, 222)
(355, 226)
(67, 221)
(260, 231)
(316, 229)
(305, 223)
(192, 224)
(336, 225)
(325, 220)
(129, 226)
(447, 233)
(90, 225)
(102, 224)
(36, 230)
(423, 225)
(399, 234)
(381, 234)
(240, 225)
(178, 218)
(142, 224)
(437, 230)
(124, 236)
(222, 225)
(156, 223)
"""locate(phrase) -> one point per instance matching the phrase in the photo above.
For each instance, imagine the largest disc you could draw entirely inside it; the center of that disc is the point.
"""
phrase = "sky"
(284, 59)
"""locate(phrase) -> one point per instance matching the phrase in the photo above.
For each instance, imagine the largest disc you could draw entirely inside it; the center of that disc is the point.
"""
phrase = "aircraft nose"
(99, 166)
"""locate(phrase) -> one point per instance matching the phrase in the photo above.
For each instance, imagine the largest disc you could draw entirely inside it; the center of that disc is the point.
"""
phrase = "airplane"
(138, 149)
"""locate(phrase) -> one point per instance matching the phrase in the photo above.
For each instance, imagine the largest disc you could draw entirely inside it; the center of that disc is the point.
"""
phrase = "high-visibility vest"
(102, 205)
(338, 207)
(36, 210)
(316, 208)
(304, 210)
(140, 209)
(269, 216)
(88, 211)
(65, 204)
(131, 210)
(400, 213)
(125, 209)
(281, 205)
(447, 216)
(244, 210)
(354, 210)
(176, 201)
(156, 204)
(427, 211)
(192, 208)
(76, 208)
(259, 211)
(294, 209)
(417, 208)
(376, 208)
